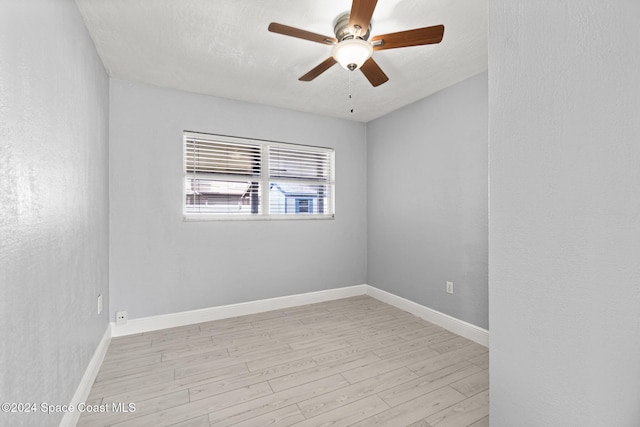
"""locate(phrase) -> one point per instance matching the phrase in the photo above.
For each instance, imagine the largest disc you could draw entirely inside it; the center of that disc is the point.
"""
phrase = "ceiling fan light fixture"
(352, 53)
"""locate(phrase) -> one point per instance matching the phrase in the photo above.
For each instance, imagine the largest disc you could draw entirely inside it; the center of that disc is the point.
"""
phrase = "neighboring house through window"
(230, 177)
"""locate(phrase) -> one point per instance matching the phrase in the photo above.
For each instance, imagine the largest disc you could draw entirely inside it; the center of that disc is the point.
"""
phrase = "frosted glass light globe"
(352, 53)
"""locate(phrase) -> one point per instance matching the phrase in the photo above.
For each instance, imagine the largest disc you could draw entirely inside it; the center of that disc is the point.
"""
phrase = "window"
(228, 177)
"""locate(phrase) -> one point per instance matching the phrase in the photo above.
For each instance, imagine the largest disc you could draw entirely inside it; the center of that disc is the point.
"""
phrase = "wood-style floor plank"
(462, 414)
(350, 362)
(290, 396)
(416, 409)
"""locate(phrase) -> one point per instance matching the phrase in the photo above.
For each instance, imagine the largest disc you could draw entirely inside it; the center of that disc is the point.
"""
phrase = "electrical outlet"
(99, 303)
(449, 287)
(121, 317)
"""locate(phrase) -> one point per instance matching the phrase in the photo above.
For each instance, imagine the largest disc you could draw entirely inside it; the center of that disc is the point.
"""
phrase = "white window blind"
(222, 177)
(235, 177)
(304, 179)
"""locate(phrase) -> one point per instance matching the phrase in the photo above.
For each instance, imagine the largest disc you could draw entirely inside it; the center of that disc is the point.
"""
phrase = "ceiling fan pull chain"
(350, 97)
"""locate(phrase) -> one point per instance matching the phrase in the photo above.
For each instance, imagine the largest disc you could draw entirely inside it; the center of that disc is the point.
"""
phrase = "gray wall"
(53, 203)
(427, 201)
(162, 264)
(564, 231)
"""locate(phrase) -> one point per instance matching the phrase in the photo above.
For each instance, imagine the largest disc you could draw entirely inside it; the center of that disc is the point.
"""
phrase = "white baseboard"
(172, 320)
(457, 326)
(71, 418)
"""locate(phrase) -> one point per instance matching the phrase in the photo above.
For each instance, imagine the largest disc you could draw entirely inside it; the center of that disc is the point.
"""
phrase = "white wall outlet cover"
(121, 317)
(99, 303)
(449, 287)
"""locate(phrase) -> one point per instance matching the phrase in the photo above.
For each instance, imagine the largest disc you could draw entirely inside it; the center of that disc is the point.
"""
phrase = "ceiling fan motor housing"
(344, 32)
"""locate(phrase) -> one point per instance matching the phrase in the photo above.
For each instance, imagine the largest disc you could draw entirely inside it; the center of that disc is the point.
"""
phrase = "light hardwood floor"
(349, 362)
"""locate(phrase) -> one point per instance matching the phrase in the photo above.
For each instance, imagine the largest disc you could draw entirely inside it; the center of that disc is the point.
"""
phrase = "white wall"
(427, 195)
(53, 204)
(161, 264)
(564, 229)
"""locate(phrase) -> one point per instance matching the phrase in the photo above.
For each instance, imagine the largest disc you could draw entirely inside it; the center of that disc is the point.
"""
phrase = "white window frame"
(264, 180)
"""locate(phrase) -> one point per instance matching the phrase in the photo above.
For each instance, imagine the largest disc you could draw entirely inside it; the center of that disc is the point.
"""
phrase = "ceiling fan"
(352, 48)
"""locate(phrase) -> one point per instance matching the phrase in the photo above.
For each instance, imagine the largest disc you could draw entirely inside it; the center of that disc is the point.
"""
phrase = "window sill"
(209, 217)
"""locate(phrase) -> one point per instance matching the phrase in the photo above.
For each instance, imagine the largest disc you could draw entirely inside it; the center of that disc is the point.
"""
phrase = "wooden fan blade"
(417, 37)
(361, 13)
(321, 68)
(373, 73)
(301, 34)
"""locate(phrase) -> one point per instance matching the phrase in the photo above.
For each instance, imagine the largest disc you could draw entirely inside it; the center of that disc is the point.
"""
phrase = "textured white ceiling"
(223, 48)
